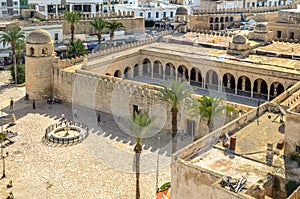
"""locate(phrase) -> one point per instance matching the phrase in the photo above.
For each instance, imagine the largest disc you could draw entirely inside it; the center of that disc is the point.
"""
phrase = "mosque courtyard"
(102, 166)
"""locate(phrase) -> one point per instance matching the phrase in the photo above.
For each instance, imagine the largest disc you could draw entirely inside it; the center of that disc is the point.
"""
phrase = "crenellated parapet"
(116, 49)
(242, 10)
(64, 63)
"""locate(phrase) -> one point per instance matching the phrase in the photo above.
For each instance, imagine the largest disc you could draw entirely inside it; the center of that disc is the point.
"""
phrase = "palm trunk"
(138, 151)
(14, 62)
(111, 39)
(174, 111)
(99, 39)
(72, 34)
(210, 125)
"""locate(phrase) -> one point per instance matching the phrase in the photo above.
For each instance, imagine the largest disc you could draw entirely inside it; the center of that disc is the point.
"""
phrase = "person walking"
(62, 117)
(99, 119)
(11, 104)
(75, 113)
(33, 104)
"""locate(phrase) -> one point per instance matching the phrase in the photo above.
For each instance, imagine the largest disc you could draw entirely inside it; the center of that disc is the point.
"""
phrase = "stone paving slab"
(80, 171)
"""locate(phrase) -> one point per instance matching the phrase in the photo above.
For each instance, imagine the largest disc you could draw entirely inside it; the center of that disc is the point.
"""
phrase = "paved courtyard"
(102, 166)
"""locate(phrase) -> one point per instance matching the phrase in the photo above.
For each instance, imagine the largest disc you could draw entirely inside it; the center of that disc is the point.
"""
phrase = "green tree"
(72, 18)
(76, 49)
(98, 24)
(20, 73)
(175, 96)
(12, 36)
(113, 26)
(209, 108)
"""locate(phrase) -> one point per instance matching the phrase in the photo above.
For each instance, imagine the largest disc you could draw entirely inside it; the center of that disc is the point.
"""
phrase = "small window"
(31, 51)
(4, 12)
(16, 12)
(171, 14)
(141, 14)
(56, 36)
(3, 4)
(15, 3)
(297, 148)
(164, 14)
(278, 34)
(44, 51)
(149, 14)
(157, 14)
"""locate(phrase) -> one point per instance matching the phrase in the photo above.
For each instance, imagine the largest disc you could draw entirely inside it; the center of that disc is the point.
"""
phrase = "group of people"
(26, 98)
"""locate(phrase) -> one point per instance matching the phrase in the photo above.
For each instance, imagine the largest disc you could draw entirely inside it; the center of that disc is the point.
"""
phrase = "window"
(4, 12)
(157, 14)
(297, 148)
(15, 3)
(56, 36)
(141, 14)
(291, 35)
(149, 14)
(248, 5)
(171, 14)
(278, 34)
(164, 14)
(3, 4)
(253, 4)
(16, 12)
(270, 3)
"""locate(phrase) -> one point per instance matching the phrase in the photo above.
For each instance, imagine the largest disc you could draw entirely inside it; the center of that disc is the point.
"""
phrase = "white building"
(55, 30)
(9, 8)
(155, 12)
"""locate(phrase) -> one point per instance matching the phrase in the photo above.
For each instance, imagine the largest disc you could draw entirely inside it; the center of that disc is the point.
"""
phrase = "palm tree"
(209, 108)
(175, 96)
(72, 18)
(76, 49)
(98, 24)
(12, 36)
(139, 125)
(113, 26)
(20, 48)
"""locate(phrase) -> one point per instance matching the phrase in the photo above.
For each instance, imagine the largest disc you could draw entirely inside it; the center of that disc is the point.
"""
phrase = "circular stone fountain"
(67, 133)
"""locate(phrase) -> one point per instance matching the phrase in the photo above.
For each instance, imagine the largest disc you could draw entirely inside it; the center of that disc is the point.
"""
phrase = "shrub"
(20, 73)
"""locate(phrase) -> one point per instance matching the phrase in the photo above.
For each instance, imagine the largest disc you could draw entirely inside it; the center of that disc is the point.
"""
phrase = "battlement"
(242, 10)
(97, 15)
(116, 49)
(64, 63)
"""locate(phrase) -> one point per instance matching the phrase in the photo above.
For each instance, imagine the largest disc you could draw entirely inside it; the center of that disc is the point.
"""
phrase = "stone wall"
(190, 181)
(132, 25)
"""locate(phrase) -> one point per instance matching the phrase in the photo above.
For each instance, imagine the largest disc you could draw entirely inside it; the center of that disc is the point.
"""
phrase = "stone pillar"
(196, 76)
(203, 82)
(228, 80)
(183, 74)
(275, 88)
(140, 67)
(176, 74)
(210, 77)
(164, 71)
(130, 73)
(236, 88)
(252, 85)
(259, 81)
(244, 83)
(219, 85)
(152, 66)
(148, 69)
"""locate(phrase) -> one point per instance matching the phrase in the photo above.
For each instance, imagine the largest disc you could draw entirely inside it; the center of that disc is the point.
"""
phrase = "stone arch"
(196, 76)
(211, 20)
(222, 27)
(244, 83)
(132, 13)
(157, 69)
(212, 78)
(217, 20)
(183, 72)
(136, 70)
(222, 19)
(146, 67)
(216, 27)
(170, 70)
(44, 52)
(128, 13)
(226, 19)
(231, 19)
(31, 51)
(260, 86)
(211, 27)
(276, 89)
(118, 73)
(127, 72)
(229, 81)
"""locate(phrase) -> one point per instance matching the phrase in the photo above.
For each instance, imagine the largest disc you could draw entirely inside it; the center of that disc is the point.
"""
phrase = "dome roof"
(181, 11)
(239, 39)
(260, 27)
(38, 36)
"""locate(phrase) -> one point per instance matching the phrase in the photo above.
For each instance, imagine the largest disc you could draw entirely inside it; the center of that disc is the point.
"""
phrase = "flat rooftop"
(250, 154)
